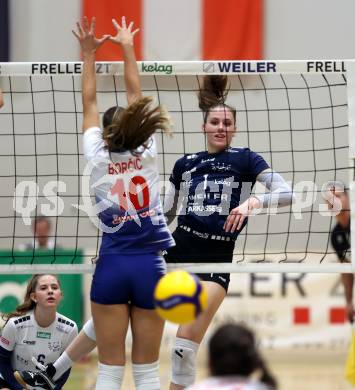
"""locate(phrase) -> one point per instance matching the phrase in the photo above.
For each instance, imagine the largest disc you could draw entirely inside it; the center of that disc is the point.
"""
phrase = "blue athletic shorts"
(123, 279)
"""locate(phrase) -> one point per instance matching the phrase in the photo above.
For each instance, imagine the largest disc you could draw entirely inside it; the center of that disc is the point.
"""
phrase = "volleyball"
(180, 297)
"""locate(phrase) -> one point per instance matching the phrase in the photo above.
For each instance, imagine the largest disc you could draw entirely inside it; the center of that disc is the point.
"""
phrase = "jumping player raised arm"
(129, 265)
(123, 158)
(214, 188)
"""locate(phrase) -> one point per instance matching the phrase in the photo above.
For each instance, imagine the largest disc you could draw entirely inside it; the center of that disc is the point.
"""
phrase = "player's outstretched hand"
(124, 34)
(237, 215)
(86, 36)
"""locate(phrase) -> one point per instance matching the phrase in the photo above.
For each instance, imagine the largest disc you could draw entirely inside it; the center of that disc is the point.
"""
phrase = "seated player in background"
(41, 228)
(234, 362)
(82, 345)
(338, 200)
(35, 329)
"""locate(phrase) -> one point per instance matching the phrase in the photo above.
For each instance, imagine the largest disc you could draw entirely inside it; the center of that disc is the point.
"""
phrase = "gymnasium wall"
(302, 29)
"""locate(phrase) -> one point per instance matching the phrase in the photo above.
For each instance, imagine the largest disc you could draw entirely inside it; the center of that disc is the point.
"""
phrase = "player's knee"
(183, 361)
(146, 376)
(89, 329)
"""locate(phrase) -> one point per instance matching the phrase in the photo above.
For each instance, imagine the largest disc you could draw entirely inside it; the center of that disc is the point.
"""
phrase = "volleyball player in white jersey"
(35, 329)
(124, 160)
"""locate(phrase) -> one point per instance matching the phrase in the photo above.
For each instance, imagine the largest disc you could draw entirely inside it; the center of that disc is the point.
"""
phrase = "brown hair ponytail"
(213, 93)
(132, 127)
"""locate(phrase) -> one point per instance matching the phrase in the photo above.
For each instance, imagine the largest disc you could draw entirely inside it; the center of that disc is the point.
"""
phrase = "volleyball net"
(297, 115)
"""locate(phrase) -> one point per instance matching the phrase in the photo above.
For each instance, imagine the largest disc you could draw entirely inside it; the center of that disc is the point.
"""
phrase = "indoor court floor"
(301, 373)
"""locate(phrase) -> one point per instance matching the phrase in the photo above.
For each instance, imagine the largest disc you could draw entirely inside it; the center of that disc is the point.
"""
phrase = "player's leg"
(111, 324)
(147, 330)
(147, 326)
(110, 310)
(189, 337)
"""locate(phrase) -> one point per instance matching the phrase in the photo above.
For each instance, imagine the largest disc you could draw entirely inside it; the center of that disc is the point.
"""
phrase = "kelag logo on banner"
(157, 68)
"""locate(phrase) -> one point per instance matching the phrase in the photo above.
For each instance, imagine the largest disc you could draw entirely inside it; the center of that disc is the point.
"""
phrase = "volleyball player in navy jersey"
(214, 189)
(338, 198)
(1, 98)
(223, 178)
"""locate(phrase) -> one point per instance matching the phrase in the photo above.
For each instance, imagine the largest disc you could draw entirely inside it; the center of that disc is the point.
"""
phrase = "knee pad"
(183, 359)
(89, 329)
(109, 377)
(146, 376)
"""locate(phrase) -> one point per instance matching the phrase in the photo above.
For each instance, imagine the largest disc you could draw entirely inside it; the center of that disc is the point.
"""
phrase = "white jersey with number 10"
(127, 191)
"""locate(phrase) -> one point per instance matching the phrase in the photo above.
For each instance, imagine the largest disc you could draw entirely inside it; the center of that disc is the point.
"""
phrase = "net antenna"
(296, 114)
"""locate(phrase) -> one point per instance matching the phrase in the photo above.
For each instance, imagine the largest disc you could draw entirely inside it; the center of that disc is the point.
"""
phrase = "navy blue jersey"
(211, 185)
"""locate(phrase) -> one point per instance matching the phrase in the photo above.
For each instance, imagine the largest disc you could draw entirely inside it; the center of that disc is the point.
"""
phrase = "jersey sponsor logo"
(22, 360)
(125, 218)
(60, 328)
(43, 335)
(4, 341)
(25, 326)
(207, 159)
(54, 346)
(211, 208)
(29, 342)
(222, 181)
(221, 167)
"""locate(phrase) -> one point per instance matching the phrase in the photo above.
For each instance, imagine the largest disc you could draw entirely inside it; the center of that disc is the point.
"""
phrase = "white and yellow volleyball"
(180, 297)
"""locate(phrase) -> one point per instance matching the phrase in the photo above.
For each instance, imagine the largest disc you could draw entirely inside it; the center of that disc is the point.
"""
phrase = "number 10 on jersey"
(137, 193)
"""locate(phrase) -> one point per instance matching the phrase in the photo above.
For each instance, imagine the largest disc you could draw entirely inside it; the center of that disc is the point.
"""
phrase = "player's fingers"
(80, 29)
(129, 28)
(235, 223)
(75, 33)
(240, 222)
(229, 222)
(135, 32)
(86, 23)
(116, 25)
(124, 22)
(92, 25)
